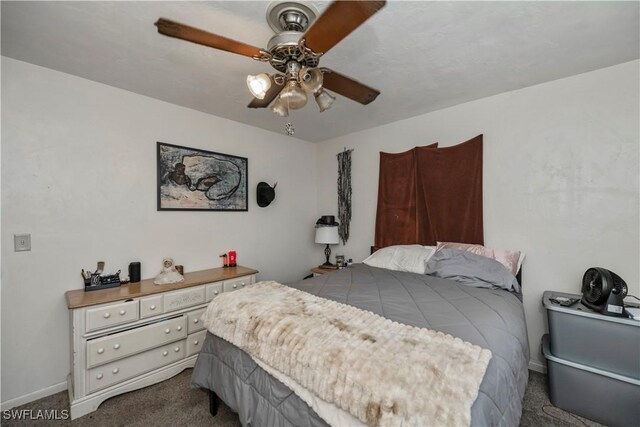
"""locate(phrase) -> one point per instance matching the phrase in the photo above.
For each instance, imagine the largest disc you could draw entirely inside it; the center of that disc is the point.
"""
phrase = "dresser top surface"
(80, 298)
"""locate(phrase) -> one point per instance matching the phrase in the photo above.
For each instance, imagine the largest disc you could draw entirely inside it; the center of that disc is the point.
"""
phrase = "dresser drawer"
(194, 342)
(117, 346)
(213, 290)
(121, 370)
(114, 314)
(184, 298)
(150, 306)
(194, 324)
(234, 285)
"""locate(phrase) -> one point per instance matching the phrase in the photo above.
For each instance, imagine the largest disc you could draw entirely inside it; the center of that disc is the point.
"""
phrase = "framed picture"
(200, 180)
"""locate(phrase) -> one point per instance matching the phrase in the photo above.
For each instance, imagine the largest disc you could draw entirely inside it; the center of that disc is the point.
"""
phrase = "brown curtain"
(396, 222)
(428, 194)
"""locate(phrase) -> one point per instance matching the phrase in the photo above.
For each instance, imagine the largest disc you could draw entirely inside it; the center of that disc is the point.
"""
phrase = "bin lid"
(581, 310)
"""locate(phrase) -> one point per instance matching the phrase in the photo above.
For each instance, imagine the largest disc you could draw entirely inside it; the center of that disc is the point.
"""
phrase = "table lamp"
(327, 235)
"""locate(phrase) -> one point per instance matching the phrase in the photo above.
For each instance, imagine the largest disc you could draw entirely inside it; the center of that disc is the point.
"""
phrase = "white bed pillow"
(411, 258)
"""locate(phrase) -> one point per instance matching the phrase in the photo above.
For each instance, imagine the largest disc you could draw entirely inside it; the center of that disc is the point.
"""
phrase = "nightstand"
(317, 271)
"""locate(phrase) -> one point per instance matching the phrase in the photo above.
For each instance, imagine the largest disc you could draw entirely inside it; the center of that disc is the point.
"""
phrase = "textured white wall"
(560, 177)
(79, 174)
(560, 183)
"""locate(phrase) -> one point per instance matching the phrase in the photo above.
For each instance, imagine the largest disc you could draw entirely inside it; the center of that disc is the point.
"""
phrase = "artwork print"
(193, 179)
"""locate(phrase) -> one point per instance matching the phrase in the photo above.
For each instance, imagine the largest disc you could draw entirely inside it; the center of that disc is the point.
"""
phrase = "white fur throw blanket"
(382, 372)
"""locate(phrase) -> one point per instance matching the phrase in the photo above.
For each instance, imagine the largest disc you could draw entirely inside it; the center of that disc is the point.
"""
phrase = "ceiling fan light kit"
(302, 37)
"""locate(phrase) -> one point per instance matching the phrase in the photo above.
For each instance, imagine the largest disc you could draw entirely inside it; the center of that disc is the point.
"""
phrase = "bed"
(490, 318)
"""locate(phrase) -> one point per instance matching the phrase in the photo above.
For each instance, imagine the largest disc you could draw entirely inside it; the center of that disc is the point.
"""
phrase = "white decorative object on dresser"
(138, 334)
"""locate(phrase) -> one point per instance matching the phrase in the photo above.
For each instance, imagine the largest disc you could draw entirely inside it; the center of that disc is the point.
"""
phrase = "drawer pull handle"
(107, 315)
(99, 376)
(164, 353)
(123, 312)
(177, 349)
(166, 331)
(100, 350)
(152, 307)
(116, 346)
(115, 370)
(195, 342)
(235, 285)
(179, 328)
(196, 321)
(242, 283)
(215, 292)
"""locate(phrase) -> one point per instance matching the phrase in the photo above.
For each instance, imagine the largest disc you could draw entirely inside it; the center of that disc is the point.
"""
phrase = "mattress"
(490, 318)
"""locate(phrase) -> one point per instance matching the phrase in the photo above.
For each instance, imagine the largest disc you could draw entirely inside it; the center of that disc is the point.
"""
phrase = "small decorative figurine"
(169, 274)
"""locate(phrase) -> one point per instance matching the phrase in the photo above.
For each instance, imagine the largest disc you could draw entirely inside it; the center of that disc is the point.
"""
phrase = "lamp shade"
(327, 235)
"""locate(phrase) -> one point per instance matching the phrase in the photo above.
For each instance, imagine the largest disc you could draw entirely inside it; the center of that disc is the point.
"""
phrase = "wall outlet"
(22, 242)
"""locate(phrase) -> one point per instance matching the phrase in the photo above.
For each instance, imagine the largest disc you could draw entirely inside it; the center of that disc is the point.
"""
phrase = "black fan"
(604, 291)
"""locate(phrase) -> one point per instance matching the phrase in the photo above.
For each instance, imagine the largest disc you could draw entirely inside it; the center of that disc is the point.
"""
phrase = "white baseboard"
(30, 397)
(537, 366)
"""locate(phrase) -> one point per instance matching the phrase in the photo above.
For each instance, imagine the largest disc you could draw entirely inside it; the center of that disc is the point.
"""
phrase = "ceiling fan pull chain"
(288, 128)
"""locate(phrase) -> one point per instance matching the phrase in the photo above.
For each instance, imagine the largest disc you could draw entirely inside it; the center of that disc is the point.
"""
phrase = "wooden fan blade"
(271, 94)
(194, 35)
(338, 21)
(348, 87)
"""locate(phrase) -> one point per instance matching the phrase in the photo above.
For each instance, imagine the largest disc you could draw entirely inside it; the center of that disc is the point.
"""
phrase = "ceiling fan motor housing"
(289, 20)
(290, 15)
(284, 47)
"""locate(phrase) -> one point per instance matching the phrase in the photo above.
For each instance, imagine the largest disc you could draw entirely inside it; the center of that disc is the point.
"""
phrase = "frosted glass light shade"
(310, 79)
(280, 108)
(324, 100)
(327, 235)
(293, 96)
(258, 85)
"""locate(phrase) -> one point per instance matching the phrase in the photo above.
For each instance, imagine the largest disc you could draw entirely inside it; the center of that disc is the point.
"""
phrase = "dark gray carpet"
(175, 403)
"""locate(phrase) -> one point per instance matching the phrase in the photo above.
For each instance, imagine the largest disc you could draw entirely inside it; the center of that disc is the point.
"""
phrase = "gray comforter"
(490, 318)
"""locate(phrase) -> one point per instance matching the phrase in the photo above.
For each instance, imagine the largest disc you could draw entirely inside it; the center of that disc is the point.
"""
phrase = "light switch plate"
(22, 242)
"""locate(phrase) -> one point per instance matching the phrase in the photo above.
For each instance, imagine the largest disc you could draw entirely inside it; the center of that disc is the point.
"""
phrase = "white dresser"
(139, 334)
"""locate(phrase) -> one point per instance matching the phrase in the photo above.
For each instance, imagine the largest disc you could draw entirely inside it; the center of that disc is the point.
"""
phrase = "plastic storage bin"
(592, 393)
(580, 335)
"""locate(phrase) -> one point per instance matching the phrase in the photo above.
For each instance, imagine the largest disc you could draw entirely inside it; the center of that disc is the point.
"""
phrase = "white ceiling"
(422, 56)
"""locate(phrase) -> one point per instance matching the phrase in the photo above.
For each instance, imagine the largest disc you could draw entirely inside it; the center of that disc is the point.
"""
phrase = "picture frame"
(193, 179)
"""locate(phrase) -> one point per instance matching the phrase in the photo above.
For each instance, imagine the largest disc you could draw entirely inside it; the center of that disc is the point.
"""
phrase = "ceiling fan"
(294, 52)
